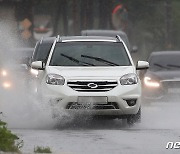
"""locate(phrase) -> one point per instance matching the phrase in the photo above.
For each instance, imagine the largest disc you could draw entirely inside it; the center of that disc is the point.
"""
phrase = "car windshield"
(42, 51)
(90, 53)
(165, 62)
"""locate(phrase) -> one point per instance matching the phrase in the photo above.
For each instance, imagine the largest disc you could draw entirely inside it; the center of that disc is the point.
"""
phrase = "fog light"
(131, 102)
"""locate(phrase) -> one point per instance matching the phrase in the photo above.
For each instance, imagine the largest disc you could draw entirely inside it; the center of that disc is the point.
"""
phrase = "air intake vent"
(110, 105)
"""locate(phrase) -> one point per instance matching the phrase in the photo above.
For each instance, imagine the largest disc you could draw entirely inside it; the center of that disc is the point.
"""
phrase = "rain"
(54, 93)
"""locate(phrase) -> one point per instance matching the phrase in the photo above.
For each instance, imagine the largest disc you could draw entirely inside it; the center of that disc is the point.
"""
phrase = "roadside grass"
(8, 140)
(39, 149)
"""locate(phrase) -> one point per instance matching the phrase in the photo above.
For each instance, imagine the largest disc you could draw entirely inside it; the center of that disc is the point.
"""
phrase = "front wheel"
(134, 118)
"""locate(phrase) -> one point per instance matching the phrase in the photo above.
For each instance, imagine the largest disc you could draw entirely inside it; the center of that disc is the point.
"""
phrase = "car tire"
(134, 118)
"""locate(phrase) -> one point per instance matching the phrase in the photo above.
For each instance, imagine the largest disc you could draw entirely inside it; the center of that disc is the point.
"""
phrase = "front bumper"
(66, 98)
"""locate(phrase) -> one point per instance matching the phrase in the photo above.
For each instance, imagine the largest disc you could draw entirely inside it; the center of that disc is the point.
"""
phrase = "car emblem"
(92, 85)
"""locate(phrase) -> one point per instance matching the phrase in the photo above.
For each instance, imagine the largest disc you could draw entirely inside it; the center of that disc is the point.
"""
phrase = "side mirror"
(142, 65)
(38, 65)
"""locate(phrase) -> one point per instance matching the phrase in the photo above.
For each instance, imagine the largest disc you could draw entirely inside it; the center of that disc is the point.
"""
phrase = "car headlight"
(4, 73)
(7, 85)
(151, 83)
(129, 79)
(34, 72)
(55, 79)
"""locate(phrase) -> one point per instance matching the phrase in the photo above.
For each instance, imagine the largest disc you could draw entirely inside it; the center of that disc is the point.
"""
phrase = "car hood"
(164, 75)
(91, 71)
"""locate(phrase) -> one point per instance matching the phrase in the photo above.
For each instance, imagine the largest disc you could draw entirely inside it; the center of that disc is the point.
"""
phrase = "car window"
(41, 52)
(112, 52)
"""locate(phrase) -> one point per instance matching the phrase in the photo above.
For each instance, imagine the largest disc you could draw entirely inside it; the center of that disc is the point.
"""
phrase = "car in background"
(14, 69)
(91, 75)
(162, 80)
(41, 52)
(110, 33)
(42, 49)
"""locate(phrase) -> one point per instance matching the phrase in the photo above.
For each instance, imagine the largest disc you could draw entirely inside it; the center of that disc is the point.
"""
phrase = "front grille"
(77, 106)
(92, 86)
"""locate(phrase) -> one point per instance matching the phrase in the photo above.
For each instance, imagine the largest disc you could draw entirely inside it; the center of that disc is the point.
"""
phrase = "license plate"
(92, 100)
(174, 90)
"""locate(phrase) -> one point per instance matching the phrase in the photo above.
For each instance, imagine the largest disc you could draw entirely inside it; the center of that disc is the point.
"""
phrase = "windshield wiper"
(161, 66)
(100, 59)
(77, 61)
(171, 65)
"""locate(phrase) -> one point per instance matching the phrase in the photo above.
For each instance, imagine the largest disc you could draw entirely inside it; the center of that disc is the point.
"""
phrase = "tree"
(61, 11)
(86, 14)
(168, 19)
(103, 9)
(75, 17)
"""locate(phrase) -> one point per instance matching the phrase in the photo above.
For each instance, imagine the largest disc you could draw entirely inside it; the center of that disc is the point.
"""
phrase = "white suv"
(92, 75)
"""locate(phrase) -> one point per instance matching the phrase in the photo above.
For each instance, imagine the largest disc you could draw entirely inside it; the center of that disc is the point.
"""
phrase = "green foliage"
(7, 139)
(39, 149)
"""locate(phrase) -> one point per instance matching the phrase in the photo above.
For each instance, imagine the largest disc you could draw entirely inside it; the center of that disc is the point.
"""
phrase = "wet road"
(159, 125)
(100, 141)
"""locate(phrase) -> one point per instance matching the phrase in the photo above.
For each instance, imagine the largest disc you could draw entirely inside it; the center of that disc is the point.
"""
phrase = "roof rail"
(41, 40)
(118, 38)
(58, 38)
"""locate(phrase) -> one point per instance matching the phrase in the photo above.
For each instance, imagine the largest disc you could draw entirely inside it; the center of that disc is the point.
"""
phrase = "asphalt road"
(159, 126)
